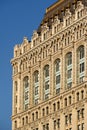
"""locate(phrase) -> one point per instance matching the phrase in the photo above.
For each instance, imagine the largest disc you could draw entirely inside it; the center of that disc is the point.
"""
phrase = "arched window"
(80, 64)
(16, 86)
(15, 124)
(70, 100)
(36, 87)
(26, 92)
(46, 82)
(57, 76)
(58, 105)
(65, 102)
(47, 110)
(26, 119)
(23, 121)
(68, 70)
(36, 114)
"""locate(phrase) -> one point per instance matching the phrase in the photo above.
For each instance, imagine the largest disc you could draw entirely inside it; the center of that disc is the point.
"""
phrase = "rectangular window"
(36, 90)
(82, 67)
(47, 96)
(46, 71)
(57, 79)
(46, 85)
(57, 90)
(69, 73)
(36, 101)
(69, 58)
(26, 106)
(26, 95)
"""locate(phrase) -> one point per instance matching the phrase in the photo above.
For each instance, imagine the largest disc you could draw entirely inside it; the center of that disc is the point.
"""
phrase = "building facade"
(50, 71)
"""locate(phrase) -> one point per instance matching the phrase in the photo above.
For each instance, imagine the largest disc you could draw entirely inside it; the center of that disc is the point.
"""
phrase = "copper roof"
(56, 9)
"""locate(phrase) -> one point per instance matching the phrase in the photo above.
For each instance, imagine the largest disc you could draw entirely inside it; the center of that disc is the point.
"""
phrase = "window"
(80, 64)
(81, 67)
(16, 99)
(36, 87)
(58, 123)
(66, 120)
(46, 82)
(26, 95)
(36, 101)
(15, 124)
(78, 114)
(82, 94)
(23, 121)
(69, 58)
(32, 116)
(46, 126)
(43, 127)
(16, 110)
(46, 70)
(26, 92)
(54, 107)
(58, 105)
(43, 112)
(70, 118)
(57, 65)
(57, 76)
(79, 127)
(36, 115)
(55, 125)
(83, 126)
(58, 79)
(78, 96)
(65, 101)
(46, 85)
(16, 86)
(36, 90)
(82, 113)
(26, 119)
(36, 76)
(70, 100)
(47, 110)
(68, 71)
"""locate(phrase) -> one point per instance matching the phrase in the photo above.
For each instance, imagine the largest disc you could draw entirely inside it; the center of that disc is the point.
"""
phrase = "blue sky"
(18, 18)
